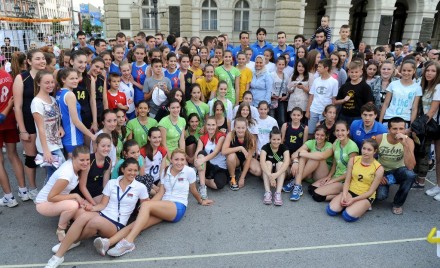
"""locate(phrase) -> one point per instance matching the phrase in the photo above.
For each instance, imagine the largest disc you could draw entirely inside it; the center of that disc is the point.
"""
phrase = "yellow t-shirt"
(207, 87)
(245, 78)
(197, 72)
(363, 176)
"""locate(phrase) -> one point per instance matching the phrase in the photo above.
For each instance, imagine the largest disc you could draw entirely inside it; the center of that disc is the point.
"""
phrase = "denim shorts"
(181, 208)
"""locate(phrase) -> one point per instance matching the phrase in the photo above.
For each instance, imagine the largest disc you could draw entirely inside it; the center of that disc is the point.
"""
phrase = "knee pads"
(311, 189)
(318, 197)
(29, 161)
(331, 212)
(348, 218)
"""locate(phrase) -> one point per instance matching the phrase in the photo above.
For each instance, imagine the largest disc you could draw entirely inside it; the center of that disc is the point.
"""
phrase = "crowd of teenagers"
(125, 135)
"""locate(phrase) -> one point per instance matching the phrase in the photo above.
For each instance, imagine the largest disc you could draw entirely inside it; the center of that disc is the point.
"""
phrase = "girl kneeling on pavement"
(210, 162)
(274, 161)
(364, 174)
(239, 147)
(55, 198)
(108, 217)
(168, 204)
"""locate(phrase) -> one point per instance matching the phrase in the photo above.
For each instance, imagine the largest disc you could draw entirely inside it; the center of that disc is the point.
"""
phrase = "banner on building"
(84, 8)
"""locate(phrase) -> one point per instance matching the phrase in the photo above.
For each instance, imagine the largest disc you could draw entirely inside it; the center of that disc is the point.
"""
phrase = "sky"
(96, 3)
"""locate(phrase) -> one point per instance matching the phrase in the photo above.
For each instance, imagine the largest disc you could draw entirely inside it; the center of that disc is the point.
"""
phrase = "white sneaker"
(437, 197)
(54, 262)
(101, 245)
(57, 246)
(33, 194)
(23, 195)
(8, 202)
(121, 248)
(433, 191)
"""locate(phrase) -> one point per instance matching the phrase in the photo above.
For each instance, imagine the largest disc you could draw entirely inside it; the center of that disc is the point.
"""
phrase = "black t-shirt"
(271, 155)
(330, 131)
(360, 94)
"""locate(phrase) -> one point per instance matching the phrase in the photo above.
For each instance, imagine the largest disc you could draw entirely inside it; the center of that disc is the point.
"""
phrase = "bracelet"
(295, 161)
(23, 132)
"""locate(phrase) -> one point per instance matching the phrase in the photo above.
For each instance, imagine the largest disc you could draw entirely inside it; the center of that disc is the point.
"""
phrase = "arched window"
(209, 15)
(241, 16)
(147, 16)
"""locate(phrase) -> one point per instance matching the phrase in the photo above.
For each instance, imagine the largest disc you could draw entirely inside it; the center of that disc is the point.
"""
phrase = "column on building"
(310, 17)
(420, 13)
(339, 12)
(289, 16)
(186, 18)
(112, 17)
(135, 19)
(377, 10)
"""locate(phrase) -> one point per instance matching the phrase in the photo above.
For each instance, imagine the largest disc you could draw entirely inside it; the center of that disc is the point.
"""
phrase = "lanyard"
(143, 126)
(120, 198)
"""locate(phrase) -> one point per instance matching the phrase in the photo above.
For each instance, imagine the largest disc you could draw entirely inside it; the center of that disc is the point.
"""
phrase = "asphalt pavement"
(239, 231)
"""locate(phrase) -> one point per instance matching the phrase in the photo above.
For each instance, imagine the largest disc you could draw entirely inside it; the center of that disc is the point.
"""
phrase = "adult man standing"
(81, 36)
(433, 54)
(298, 41)
(151, 42)
(141, 39)
(159, 39)
(396, 154)
(261, 44)
(100, 46)
(282, 46)
(398, 57)
(367, 127)
(379, 55)
(244, 43)
(325, 48)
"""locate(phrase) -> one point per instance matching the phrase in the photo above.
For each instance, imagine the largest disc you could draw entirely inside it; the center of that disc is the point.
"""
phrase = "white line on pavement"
(114, 261)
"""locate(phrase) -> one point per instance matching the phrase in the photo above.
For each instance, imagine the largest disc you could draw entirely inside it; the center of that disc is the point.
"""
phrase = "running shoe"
(33, 194)
(233, 185)
(23, 195)
(433, 191)
(267, 200)
(8, 202)
(418, 186)
(57, 247)
(437, 197)
(277, 200)
(101, 245)
(54, 262)
(296, 193)
(289, 186)
(122, 247)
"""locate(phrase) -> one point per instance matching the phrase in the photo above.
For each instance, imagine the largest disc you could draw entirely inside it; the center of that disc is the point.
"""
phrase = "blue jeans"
(50, 170)
(279, 113)
(313, 120)
(405, 178)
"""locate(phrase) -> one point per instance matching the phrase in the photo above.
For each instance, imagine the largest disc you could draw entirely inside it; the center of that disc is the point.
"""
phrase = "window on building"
(241, 16)
(147, 16)
(209, 15)
(125, 24)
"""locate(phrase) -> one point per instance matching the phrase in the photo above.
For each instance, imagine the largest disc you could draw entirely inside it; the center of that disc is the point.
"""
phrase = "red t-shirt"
(5, 96)
(114, 100)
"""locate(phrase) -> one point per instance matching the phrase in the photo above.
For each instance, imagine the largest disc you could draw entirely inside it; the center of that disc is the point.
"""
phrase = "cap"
(398, 44)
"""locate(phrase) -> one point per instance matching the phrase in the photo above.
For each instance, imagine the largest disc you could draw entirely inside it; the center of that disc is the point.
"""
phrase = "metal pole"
(73, 16)
(155, 12)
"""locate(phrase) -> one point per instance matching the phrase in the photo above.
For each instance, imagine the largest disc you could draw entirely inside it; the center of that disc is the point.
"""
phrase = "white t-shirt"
(228, 107)
(254, 111)
(270, 67)
(65, 172)
(264, 128)
(323, 91)
(253, 129)
(177, 187)
(279, 84)
(219, 159)
(126, 200)
(251, 65)
(152, 168)
(128, 90)
(52, 121)
(402, 100)
(112, 153)
(428, 98)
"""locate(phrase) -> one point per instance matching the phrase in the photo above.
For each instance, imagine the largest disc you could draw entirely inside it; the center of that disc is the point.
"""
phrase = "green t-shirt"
(202, 111)
(173, 132)
(140, 132)
(115, 171)
(342, 155)
(311, 145)
(229, 77)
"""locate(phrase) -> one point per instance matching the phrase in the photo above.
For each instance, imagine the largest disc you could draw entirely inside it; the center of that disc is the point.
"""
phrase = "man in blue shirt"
(367, 127)
(244, 43)
(321, 44)
(261, 44)
(282, 46)
(81, 36)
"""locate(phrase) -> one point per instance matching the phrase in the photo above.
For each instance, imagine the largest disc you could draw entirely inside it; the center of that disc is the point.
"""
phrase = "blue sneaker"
(289, 186)
(296, 193)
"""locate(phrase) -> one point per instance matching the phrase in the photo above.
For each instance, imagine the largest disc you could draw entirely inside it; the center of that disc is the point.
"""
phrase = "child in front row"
(116, 98)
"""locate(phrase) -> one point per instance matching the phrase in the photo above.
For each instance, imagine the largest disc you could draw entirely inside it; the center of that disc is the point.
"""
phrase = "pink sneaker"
(267, 200)
(278, 200)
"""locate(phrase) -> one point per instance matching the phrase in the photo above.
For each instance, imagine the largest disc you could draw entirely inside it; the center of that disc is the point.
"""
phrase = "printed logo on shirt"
(321, 90)
(180, 179)
(129, 195)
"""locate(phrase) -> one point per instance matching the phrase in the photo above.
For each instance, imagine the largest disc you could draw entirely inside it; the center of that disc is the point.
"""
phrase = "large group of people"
(126, 133)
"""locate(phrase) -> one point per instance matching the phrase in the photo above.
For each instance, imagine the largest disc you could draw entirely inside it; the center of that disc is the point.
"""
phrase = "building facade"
(55, 9)
(376, 22)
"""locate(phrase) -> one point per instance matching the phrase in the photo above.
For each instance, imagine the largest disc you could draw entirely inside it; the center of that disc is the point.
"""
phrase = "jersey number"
(360, 177)
(81, 95)
(154, 170)
(293, 139)
(4, 94)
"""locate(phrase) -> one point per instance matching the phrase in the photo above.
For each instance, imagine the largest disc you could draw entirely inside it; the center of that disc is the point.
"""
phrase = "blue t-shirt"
(114, 68)
(331, 48)
(73, 136)
(277, 51)
(257, 50)
(139, 74)
(358, 134)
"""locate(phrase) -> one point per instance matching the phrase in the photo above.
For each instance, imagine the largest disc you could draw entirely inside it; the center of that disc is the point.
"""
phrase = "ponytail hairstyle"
(275, 131)
(63, 74)
(216, 129)
(148, 147)
(18, 61)
(124, 165)
(85, 77)
(114, 133)
(126, 147)
(37, 80)
(249, 141)
(102, 136)
(123, 128)
(321, 127)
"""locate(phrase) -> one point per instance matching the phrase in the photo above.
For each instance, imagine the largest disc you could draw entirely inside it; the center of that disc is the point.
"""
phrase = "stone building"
(374, 21)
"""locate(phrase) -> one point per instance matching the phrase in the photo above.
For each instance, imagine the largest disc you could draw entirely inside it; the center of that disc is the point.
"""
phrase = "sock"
(9, 196)
(22, 190)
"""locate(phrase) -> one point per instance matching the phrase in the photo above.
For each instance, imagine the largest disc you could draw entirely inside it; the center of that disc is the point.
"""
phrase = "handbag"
(422, 127)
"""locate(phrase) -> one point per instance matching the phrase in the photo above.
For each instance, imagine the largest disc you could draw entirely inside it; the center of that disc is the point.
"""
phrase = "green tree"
(87, 26)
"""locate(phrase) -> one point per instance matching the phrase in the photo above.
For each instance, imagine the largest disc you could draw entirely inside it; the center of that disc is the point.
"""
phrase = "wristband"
(2, 118)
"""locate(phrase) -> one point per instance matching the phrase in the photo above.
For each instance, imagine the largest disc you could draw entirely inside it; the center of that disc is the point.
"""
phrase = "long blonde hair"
(249, 141)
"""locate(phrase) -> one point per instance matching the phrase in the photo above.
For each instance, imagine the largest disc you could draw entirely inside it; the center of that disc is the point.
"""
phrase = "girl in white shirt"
(168, 204)
(108, 217)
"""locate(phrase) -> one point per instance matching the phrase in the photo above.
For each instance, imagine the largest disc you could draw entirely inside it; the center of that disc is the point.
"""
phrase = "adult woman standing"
(23, 94)
(172, 128)
(261, 84)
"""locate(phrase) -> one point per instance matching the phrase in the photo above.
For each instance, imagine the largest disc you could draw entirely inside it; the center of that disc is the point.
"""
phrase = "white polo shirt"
(177, 187)
(122, 205)
(65, 172)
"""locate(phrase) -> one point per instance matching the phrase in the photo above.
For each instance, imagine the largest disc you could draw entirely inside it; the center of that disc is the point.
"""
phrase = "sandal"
(397, 210)
(61, 233)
